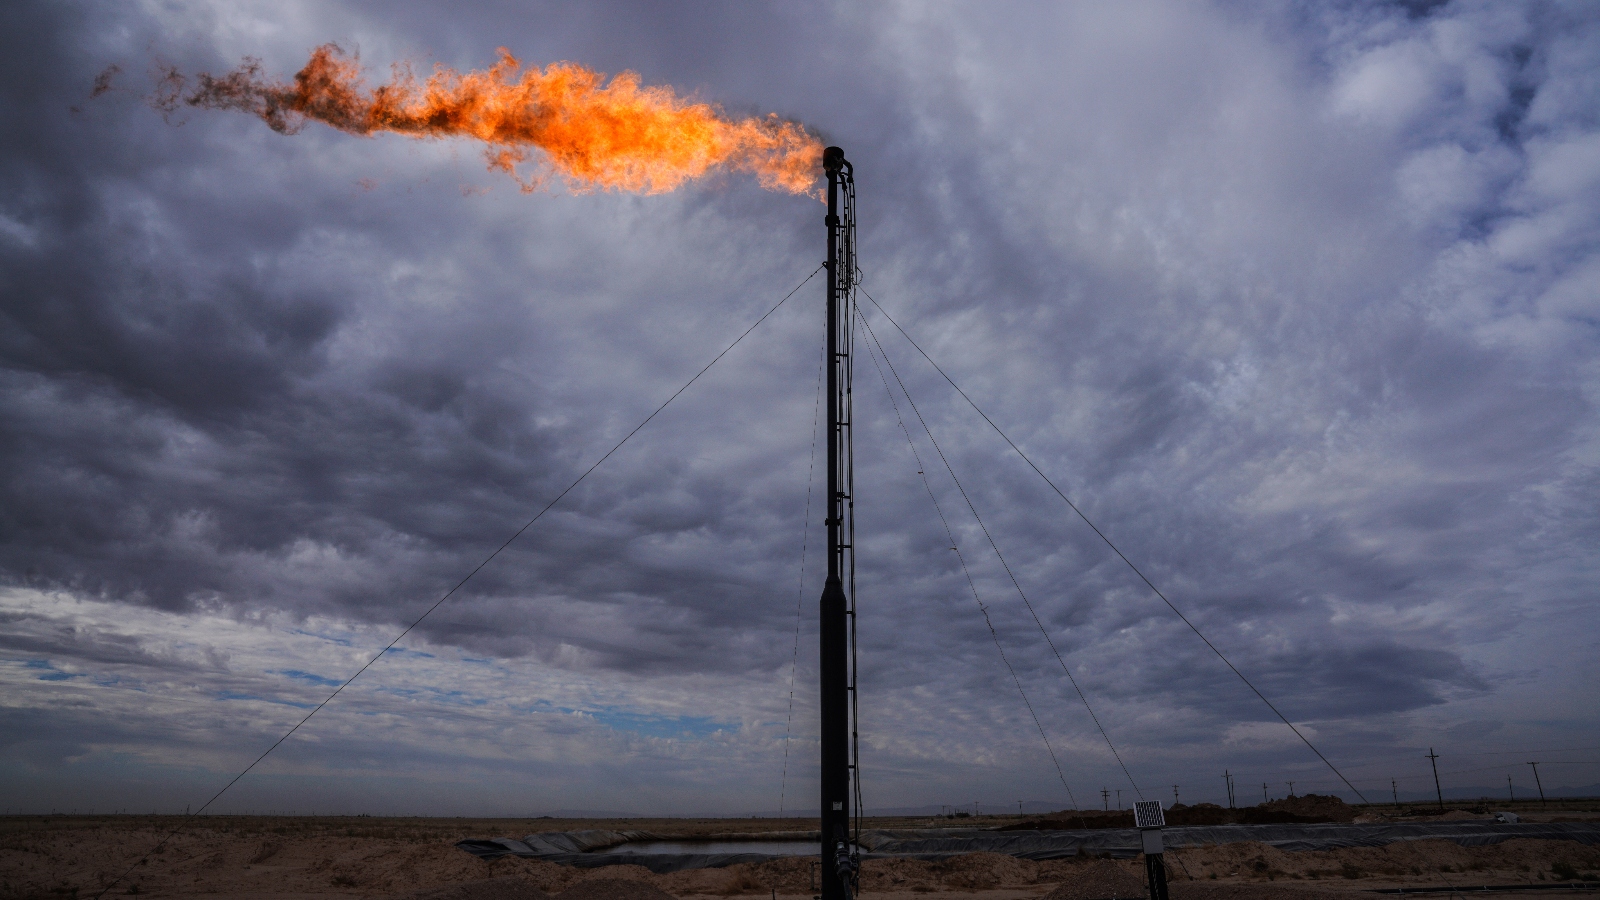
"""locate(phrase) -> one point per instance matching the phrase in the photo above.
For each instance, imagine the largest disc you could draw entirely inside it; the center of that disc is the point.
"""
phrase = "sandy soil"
(283, 858)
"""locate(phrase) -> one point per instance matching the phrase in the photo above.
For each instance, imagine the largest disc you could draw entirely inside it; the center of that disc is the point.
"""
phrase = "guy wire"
(996, 548)
(1114, 549)
(450, 593)
(922, 471)
(805, 541)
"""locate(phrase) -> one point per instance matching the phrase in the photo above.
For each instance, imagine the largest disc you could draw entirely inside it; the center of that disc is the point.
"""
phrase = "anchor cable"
(922, 471)
(805, 543)
(1007, 566)
(1114, 549)
(450, 593)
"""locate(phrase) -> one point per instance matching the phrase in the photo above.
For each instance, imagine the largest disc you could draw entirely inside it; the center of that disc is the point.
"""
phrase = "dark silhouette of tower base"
(838, 850)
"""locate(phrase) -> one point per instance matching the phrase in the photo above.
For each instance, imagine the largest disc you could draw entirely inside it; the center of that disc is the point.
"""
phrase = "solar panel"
(1147, 814)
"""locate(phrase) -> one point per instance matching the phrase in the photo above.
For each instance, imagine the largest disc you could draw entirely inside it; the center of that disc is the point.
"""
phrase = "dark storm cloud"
(1296, 306)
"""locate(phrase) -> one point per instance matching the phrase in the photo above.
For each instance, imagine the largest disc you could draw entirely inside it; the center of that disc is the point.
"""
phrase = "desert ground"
(62, 857)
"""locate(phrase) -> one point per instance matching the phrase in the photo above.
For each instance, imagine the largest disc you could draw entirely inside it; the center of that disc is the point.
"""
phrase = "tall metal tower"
(837, 663)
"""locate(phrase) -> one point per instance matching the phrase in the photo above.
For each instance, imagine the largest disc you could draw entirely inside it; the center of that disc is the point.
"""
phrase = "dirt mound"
(1201, 814)
(1313, 807)
(1246, 892)
(613, 889)
(488, 889)
(982, 871)
(1307, 809)
(1310, 808)
(1074, 820)
(1103, 878)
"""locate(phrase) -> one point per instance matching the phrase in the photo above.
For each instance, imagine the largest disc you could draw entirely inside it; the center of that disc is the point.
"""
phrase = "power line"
(1525, 752)
(450, 593)
(1503, 766)
(1114, 549)
(995, 547)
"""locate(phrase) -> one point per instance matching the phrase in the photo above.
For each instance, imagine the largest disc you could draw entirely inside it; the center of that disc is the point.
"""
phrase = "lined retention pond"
(768, 848)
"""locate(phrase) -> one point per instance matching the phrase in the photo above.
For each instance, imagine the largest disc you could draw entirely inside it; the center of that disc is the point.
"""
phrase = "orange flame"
(592, 134)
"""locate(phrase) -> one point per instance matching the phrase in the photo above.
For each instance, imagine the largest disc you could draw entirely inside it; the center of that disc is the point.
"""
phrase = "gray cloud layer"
(1299, 304)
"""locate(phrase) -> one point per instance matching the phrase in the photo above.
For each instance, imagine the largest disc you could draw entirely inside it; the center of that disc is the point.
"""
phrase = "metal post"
(1147, 817)
(834, 639)
(1539, 783)
(1434, 758)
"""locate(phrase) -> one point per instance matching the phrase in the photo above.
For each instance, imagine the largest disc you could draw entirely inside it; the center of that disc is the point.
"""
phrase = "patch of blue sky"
(308, 676)
(657, 726)
(438, 695)
(460, 697)
(51, 673)
(235, 695)
(401, 651)
(332, 639)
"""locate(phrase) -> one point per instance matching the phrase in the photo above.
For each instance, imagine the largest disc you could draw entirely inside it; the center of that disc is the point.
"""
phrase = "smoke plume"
(588, 132)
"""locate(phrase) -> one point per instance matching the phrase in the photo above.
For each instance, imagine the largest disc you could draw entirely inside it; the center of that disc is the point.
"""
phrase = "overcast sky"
(1299, 302)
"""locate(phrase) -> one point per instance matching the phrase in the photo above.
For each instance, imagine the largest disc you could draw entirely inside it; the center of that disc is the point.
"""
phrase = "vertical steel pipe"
(834, 639)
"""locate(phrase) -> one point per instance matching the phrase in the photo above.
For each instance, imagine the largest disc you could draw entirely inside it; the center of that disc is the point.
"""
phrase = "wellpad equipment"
(578, 848)
(1149, 820)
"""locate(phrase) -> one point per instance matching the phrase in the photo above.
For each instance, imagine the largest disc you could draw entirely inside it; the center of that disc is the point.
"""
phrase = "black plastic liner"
(573, 848)
(578, 849)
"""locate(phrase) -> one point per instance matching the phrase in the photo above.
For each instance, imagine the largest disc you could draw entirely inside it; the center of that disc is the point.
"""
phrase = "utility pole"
(838, 859)
(1434, 759)
(1509, 789)
(1228, 780)
(1019, 809)
(1264, 793)
(1394, 786)
(1119, 798)
(1174, 795)
(1105, 798)
(1291, 788)
(1539, 783)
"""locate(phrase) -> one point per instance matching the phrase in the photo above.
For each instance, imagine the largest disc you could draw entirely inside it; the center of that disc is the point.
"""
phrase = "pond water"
(769, 848)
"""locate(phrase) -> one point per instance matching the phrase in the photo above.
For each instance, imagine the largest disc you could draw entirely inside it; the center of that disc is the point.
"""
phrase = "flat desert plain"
(69, 857)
